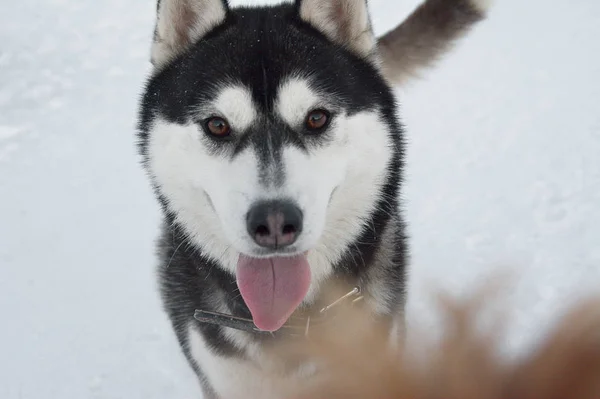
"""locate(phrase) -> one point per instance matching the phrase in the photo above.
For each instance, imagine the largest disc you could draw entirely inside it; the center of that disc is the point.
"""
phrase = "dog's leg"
(428, 33)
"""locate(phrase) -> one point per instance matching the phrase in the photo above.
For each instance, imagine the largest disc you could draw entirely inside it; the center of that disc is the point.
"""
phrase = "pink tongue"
(273, 288)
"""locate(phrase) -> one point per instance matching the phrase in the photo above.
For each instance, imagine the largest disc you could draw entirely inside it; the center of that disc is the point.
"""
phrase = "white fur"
(354, 164)
(345, 22)
(180, 23)
(235, 104)
(255, 377)
(295, 99)
(194, 181)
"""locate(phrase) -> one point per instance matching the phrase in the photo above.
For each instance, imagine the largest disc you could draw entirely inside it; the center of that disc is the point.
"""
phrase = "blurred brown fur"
(464, 364)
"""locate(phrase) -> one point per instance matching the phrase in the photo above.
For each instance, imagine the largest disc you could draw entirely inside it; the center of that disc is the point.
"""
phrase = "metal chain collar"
(291, 329)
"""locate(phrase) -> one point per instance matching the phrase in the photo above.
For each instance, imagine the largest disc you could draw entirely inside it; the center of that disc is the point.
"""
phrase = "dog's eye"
(317, 120)
(218, 127)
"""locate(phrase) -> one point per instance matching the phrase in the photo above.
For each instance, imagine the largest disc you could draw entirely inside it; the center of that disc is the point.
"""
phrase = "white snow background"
(503, 171)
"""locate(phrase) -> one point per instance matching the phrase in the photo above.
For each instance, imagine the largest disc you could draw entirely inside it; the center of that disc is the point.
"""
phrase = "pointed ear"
(181, 23)
(345, 22)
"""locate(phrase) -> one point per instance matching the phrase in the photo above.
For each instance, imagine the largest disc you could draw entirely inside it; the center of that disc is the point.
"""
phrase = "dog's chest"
(237, 378)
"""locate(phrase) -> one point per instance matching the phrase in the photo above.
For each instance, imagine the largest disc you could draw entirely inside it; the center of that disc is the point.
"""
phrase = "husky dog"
(270, 136)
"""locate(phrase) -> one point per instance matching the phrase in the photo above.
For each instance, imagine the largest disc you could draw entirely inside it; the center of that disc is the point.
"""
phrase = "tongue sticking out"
(273, 288)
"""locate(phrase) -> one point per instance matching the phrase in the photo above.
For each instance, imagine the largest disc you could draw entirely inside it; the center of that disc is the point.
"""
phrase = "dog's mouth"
(273, 288)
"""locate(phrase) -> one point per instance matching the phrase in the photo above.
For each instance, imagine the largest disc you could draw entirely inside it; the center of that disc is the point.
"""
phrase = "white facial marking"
(197, 183)
(208, 193)
(236, 105)
(354, 165)
(295, 100)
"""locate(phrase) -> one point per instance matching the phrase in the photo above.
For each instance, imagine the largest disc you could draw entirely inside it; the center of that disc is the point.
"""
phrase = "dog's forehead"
(261, 49)
(292, 99)
(235, 102)
(265, 63)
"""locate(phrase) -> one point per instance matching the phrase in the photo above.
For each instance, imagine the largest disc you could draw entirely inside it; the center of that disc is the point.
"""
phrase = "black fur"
(260, 47)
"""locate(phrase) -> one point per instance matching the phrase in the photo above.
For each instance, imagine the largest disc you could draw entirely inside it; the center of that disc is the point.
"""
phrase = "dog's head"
(270, 136)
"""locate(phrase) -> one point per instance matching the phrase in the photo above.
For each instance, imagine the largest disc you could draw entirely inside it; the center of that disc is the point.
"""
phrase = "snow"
(503, 173)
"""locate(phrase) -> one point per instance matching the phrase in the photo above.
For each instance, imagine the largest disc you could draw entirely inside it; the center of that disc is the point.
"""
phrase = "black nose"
(274, 224)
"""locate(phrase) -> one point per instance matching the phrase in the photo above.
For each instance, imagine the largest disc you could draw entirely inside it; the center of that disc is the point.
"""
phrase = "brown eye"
(317, 120)
(218, 127)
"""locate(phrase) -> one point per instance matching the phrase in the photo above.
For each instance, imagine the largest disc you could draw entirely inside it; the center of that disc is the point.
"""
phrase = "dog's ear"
(181, 23)
(345, 22)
